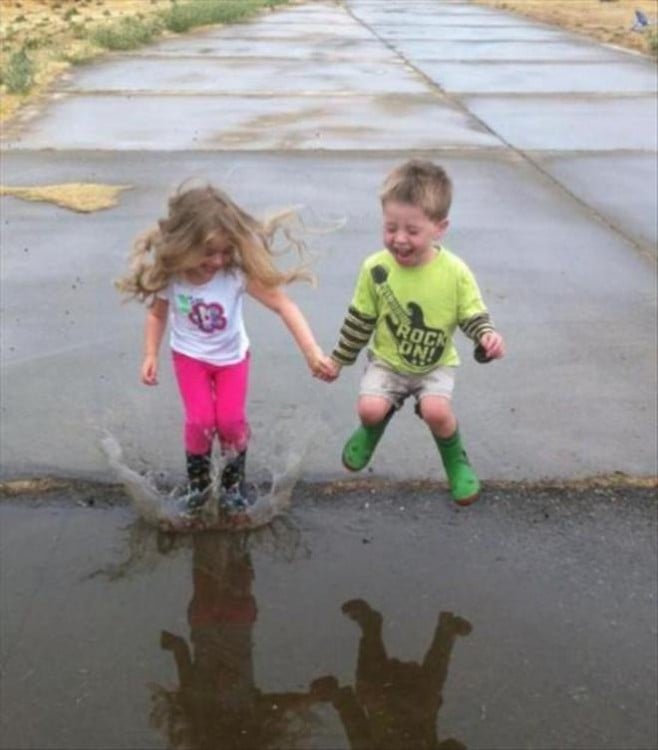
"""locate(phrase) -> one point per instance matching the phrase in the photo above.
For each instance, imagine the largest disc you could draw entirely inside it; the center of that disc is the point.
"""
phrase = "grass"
(653, 42)
(183, 17)
(40, 39)
(137, 31)
(608, 21)
(18, 76)
(76, 196)
(128, 33)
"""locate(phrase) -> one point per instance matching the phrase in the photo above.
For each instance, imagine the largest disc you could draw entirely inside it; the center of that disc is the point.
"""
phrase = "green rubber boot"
(464, 484)
(361, 445)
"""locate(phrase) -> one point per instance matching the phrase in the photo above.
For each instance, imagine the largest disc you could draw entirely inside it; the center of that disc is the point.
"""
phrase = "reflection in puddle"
(394, 704)
(216, 703)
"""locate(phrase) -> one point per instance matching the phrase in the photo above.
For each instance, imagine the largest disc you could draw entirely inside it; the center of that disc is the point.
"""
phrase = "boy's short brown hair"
(420, 183)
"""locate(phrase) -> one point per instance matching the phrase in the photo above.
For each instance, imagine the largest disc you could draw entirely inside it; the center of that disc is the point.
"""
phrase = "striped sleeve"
(476, 326)
(354, 335)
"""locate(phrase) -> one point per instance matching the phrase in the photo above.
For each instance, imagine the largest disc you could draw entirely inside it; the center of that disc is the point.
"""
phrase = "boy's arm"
(354, 334)
(477, 326)
(474, 319)
(472, 315)
(359, 323)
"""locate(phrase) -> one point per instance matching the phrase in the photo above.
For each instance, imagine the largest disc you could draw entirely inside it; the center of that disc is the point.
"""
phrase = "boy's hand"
(493, 345)
(150, 370)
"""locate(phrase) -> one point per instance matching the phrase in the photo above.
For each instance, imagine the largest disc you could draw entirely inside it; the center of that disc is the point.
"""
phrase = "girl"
(194, 268)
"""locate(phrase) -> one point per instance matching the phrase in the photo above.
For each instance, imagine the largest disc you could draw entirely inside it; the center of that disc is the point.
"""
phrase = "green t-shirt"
(416, 308)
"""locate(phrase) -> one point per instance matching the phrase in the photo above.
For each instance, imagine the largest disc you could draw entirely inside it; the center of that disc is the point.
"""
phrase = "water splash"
(147, 500)
(162, 509)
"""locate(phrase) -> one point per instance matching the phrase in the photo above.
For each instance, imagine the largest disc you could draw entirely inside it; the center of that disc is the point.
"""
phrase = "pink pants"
(214, 397)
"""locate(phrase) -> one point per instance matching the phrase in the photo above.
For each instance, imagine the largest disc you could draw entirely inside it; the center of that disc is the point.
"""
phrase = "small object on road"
(480, 355)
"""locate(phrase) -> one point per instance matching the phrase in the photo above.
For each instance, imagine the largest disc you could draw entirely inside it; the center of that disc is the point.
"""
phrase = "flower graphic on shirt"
(208, 317)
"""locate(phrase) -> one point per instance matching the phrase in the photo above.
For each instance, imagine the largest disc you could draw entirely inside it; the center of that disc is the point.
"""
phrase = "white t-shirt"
(206, 319)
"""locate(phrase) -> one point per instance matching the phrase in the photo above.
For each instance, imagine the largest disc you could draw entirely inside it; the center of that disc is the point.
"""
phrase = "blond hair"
(178, 243)
(420, 183)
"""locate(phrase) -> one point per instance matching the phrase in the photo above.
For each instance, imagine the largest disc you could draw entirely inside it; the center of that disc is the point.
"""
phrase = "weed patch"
(181, 18)
(40, 38)
(18, 76)
(128, 33)
(653, 42)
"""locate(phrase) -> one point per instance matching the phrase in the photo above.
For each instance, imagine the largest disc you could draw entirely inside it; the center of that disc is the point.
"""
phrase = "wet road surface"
(362, 620)
(551, 142)
(527, 621)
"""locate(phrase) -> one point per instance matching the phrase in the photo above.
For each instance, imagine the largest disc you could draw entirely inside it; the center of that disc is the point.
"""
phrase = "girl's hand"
(493, 345)
(315, 359)
(150, 370)
(327, 370)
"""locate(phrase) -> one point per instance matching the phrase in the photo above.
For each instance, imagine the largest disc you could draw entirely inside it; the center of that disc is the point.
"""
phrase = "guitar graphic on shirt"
(418, 344)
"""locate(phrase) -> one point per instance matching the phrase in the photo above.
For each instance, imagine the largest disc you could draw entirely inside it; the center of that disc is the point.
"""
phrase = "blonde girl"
(193, 269)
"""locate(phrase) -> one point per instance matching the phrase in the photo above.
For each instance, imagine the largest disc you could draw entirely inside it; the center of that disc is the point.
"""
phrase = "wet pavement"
(365, 619)
(550, 138)
(548, 632)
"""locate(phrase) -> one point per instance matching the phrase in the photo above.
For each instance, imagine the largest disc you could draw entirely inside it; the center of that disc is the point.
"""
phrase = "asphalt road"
(550, 139)
(526, 621)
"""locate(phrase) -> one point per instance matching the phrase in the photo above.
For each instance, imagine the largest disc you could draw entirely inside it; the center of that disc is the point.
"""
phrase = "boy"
(409, 298)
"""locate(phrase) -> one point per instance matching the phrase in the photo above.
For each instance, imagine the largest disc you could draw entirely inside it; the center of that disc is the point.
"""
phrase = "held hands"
(149, 370)
(322, 366)
(493, 345)
(330, 370)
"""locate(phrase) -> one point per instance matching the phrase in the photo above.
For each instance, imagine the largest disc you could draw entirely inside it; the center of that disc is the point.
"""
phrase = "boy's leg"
(437, 413)
(381, 392)
(375, 413)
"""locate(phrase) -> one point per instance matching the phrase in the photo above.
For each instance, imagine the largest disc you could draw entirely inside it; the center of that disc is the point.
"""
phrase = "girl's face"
(218, 253)
(409, 235)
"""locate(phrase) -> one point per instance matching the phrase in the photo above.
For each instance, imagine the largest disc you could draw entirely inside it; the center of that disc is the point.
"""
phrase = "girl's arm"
(275, 299)
(156, 322)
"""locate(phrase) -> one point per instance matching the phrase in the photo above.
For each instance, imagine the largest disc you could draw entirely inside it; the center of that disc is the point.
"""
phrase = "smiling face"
(409, 235)
(218, 253)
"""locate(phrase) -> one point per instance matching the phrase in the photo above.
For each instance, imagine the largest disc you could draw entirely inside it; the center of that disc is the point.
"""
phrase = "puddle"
(163, 508)
(375, 618)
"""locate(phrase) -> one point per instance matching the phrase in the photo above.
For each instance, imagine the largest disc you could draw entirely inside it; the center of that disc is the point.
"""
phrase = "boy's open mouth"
(403, 254)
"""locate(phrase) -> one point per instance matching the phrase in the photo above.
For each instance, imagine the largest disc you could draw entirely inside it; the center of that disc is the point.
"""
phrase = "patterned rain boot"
(464, 484)
(361, 445)
(198, 475)
(233, 496)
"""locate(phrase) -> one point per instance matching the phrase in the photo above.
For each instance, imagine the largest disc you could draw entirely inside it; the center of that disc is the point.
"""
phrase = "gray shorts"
(380, 380)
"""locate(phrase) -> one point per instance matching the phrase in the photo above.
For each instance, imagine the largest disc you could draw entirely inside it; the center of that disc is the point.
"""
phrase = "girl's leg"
(231, 385)
(196, 391)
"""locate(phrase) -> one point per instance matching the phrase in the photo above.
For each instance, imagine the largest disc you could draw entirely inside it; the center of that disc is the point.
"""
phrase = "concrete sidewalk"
(550, 139)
